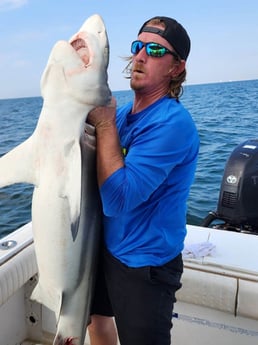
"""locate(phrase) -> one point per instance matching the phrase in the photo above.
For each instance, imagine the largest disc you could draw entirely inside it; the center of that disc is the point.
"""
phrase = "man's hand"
(102, 117)
(109, 154)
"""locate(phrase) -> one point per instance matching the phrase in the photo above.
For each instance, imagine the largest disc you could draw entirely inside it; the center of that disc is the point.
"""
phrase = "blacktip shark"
(59, 160)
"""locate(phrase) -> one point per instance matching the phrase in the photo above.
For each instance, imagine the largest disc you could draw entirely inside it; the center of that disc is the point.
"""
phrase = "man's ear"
(177, 68)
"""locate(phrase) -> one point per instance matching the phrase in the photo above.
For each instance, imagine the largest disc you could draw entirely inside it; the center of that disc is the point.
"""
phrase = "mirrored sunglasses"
(152, 49)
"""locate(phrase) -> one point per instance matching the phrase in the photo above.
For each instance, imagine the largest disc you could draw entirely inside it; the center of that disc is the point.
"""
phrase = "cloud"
(8, 5)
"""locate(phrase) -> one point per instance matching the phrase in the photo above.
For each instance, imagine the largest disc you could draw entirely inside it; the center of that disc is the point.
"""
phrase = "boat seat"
(224, 280)
(17, 264)
(247, 302)
(208, 290)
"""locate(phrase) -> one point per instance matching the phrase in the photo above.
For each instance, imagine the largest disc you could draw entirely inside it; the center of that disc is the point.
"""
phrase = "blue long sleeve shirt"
(144, 202)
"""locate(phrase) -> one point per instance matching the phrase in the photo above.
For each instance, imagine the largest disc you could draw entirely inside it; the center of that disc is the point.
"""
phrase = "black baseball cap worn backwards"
(174, 33)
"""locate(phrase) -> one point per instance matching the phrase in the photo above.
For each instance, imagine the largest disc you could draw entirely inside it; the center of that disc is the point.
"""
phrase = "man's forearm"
(109, 154)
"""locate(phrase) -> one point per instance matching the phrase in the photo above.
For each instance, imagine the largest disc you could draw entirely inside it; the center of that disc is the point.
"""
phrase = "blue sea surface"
(226, 114)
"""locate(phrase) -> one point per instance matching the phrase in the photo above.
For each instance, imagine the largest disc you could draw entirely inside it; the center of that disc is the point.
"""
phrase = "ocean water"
(226, 114)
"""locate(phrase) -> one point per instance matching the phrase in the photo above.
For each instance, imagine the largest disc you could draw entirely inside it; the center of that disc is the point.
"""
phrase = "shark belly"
(67, 275)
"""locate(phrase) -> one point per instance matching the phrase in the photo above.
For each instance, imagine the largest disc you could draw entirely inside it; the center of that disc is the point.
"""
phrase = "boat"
(218, 301)
(217, 304)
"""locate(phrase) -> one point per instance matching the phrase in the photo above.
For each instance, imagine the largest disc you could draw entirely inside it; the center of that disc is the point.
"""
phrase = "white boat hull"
(218, 303)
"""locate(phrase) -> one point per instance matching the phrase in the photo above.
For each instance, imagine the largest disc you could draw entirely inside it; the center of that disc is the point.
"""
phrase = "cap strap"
(153, 30)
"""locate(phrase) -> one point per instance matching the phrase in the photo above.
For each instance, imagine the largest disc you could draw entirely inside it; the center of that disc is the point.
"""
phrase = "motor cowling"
(238, 199)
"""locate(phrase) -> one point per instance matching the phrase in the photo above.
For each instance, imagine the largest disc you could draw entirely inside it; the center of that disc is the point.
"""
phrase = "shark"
(59, 159)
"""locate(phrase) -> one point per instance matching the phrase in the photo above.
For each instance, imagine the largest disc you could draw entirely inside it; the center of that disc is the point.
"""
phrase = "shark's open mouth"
(82, 49)
(78, 44)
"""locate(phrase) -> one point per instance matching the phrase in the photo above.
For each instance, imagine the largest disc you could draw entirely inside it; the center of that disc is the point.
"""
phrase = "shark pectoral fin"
(50, 298)
(72, 187)
(19, 165)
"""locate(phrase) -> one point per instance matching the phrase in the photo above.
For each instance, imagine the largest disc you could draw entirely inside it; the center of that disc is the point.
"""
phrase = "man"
(146, 159)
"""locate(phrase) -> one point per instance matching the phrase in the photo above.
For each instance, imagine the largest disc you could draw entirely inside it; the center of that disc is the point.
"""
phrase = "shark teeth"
(78, 44)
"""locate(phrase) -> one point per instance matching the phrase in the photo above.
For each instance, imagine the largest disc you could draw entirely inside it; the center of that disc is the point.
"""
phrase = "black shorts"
(141, 299)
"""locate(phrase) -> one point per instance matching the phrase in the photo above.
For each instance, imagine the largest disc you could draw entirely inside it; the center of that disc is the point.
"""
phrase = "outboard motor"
(238, 201)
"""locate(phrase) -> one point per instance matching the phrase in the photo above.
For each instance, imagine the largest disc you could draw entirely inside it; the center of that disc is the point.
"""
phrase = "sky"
(223, 37)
